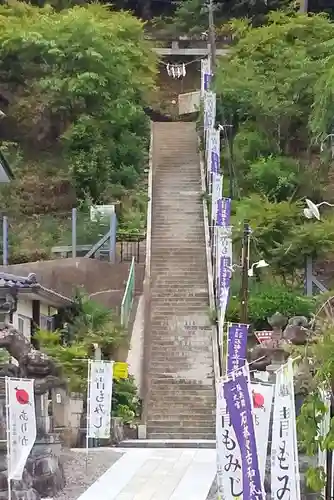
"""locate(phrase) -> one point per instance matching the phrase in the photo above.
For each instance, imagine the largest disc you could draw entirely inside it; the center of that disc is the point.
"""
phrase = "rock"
(45, 467)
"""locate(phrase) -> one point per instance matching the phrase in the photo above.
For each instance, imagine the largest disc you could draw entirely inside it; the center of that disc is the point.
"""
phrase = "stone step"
(168, 443)
(182, 435)
(177, 414)
(178, 430)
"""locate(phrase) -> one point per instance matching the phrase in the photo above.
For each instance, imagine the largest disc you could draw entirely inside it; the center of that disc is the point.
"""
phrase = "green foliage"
(88, 323)
(71, 348)
(72, 358)
(84, 75)
(265, 299)
(125, 400)
(281, 63)
(282, 236)
(249, 144)
(313, 409)
(275, 177)
(191, 16)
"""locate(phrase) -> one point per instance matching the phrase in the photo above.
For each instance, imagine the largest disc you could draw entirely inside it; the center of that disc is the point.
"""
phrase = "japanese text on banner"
(21, 424)
(237, 392)
(217, 187)
(223, 212)
(214, 151)
(236, 346)
(209, 110)
(228, 452)
(284, 463)
(99, 399)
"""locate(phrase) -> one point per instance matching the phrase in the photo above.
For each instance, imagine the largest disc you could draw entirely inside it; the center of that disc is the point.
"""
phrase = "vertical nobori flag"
(228, 451)
(262, 396)
(223, 215)
(284, 462)
(213, 169)
(223, 271)
(99, 397)
(214, 151)
(237, 335)
(324, 428)
(21, 424)
(205, 75)
(209, 110)
(237, 392)
(217, 189)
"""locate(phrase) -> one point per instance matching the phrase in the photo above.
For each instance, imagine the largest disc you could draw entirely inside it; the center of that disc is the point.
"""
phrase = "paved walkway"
(157, 474)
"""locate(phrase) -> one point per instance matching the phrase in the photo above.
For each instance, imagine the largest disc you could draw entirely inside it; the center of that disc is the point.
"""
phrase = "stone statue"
(43, 475)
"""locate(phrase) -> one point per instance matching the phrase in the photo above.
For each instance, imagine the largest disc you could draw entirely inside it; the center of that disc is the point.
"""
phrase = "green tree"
(79, 78)
(280, 63)
(90, 323)
(282, 236)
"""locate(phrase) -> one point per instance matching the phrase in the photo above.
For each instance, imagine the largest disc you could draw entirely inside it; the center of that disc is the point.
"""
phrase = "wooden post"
(74, 232)
(244, 281)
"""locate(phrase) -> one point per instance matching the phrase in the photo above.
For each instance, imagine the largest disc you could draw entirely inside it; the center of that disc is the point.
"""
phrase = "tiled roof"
(30, 282)
(10, 280)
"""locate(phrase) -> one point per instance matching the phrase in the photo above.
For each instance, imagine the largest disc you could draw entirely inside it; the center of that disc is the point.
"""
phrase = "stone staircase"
(181, 397)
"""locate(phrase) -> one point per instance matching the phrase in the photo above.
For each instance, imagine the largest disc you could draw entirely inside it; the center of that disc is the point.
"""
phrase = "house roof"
(6, 173)
(11, 280)
(30, 284)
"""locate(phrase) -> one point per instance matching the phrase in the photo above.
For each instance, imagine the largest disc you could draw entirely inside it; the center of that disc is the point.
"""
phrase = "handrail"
(124, 321)
(146, 346)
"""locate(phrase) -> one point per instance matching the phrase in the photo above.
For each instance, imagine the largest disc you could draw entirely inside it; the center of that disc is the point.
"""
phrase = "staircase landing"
(157, 474)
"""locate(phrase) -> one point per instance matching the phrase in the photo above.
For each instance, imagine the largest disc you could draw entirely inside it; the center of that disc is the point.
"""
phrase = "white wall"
(23, 315)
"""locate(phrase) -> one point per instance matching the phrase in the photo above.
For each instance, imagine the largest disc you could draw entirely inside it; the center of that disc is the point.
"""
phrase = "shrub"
(265, 299)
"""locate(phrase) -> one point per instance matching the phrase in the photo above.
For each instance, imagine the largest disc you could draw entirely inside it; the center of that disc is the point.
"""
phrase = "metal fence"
(128, 296)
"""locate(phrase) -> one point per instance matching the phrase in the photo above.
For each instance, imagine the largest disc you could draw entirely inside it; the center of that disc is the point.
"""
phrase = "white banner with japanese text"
(209, 110)
(21, 424)
(284, 456)
(229, 463)
(217, 189)
(229, 474)
(262, 402)
(99, 398)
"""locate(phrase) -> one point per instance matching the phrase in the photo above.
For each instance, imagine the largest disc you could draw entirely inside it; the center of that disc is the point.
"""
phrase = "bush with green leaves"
(276, 177)
(281, 235)
(265, 299)
(90, 322)
(81, 78)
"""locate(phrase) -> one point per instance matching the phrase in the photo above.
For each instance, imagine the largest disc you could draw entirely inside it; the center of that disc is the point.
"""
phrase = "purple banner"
(236, 346)
(223, 212)
(239, 406)
(215, 167)
(207, 79)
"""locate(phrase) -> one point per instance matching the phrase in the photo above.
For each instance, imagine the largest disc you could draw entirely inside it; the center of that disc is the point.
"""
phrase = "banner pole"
(8, 439)
(88, 412)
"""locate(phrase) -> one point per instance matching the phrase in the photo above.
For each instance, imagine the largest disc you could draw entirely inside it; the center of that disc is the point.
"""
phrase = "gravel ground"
(78, 477)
